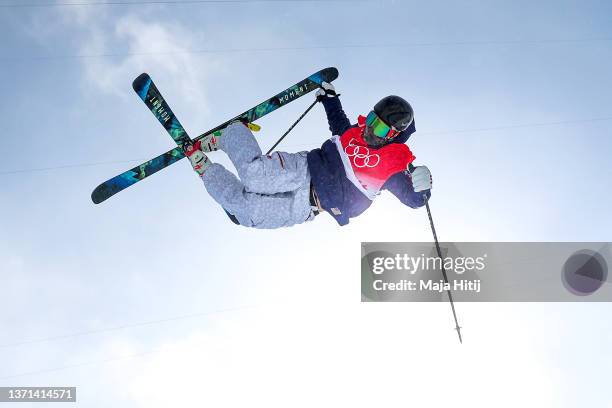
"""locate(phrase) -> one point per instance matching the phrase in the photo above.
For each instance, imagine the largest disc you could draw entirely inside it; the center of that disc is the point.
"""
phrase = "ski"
(150, 95)
(134, 175)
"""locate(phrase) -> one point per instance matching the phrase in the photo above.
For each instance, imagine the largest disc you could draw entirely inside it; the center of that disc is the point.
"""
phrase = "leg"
(257, 210)
(276, 173)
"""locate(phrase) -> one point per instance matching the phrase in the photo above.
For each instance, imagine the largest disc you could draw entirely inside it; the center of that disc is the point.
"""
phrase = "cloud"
(116, 49)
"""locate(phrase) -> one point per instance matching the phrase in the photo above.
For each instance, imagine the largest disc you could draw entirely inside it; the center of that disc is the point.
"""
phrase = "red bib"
(369, 168)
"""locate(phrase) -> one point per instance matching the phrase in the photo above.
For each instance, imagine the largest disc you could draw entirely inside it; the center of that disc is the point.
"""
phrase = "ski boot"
(195, 153)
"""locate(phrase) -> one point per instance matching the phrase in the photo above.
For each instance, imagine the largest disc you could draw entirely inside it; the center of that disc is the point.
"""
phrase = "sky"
(154, 298)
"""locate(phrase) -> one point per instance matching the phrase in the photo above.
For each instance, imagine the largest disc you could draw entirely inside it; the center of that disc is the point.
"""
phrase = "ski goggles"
(380, 128)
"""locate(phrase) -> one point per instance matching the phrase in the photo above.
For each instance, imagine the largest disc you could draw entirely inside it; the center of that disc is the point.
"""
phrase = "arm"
(400, 185)
(338, 122)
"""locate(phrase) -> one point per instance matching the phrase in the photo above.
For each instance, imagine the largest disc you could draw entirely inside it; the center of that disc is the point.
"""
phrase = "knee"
(236, 129)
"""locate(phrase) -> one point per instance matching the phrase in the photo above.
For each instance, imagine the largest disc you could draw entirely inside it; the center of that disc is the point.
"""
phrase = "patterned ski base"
(165, 116)
(150, 95)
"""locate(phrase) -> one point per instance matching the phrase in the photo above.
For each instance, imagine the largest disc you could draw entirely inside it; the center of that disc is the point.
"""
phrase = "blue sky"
(514, 118)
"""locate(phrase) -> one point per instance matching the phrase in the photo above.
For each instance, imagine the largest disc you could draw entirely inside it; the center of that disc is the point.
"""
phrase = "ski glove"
(421, 178)
(327, 90)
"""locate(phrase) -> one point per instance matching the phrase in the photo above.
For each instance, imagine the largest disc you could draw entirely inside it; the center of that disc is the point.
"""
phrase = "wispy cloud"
(140, 37)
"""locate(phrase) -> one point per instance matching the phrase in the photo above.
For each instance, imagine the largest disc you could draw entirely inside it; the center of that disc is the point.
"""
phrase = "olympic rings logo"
(362, 154)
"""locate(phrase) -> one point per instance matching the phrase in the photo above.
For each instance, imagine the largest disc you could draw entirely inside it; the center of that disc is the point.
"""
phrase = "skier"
(342, 177)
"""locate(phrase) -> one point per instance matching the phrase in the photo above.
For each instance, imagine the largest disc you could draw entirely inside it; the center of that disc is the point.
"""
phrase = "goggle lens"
(380, 128)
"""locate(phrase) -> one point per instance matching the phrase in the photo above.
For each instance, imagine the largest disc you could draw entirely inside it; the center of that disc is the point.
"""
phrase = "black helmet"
(395, 112)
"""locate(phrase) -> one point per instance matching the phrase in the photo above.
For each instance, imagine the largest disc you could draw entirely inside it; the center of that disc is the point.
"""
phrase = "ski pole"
(291, 128)
(439, 251)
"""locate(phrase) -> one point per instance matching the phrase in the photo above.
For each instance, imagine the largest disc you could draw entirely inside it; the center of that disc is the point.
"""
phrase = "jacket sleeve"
(400, 185)
(338, 122)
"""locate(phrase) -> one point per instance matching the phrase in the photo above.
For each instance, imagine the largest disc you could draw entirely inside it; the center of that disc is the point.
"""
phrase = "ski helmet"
(395, 112)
